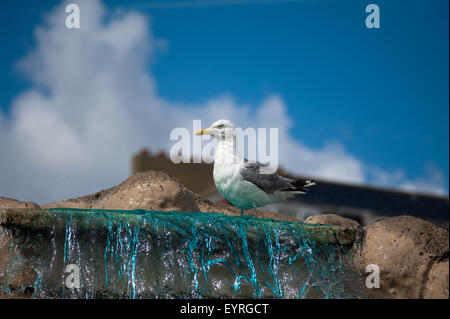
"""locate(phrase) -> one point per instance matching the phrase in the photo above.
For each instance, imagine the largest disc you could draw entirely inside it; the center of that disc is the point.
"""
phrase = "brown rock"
(437, 283)
(155, 190)
(332, 219)
(5, 241)
(151, 190)
(409, 252)
(226, 209)
(14, 203)
(20, 279)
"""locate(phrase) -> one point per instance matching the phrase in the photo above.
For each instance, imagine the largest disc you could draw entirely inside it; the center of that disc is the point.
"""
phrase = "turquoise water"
(150, 254)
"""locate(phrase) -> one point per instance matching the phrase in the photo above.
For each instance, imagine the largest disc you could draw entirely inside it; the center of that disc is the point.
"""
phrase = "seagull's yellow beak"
(203, 131)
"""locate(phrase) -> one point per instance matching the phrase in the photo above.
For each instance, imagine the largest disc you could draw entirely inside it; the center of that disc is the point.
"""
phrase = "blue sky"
(381, 93)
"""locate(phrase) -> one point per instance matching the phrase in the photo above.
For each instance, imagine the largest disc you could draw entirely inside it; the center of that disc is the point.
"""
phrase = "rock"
(20, 283)
(412, 256)
(437, 282)
(332, 219)
(150, 190)
(226, 209)
(155, 245)
(155, 190)
(14, 203)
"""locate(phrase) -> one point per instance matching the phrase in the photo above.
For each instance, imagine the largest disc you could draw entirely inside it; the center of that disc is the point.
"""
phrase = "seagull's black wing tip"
(303, 184)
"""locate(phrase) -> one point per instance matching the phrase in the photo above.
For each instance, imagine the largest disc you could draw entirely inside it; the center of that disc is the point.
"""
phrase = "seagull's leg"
(242, 211)
(254, 212)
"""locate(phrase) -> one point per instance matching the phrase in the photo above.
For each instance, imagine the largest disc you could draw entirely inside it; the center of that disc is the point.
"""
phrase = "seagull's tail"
(301, 185)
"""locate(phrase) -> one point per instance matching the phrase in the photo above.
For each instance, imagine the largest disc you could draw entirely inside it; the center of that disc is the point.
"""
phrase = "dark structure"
(366, 204)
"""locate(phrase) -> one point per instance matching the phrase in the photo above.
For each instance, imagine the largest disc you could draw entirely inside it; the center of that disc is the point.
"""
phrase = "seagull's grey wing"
(269, 183)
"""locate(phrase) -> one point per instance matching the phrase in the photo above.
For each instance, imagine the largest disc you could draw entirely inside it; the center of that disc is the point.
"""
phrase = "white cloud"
(432, 180)
(93, 103)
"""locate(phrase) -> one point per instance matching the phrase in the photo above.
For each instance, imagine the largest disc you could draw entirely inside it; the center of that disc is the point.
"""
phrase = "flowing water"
(150, 254)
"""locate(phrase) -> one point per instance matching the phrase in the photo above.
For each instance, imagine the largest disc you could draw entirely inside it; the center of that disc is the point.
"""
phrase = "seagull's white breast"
(237, 191)
(229, 182)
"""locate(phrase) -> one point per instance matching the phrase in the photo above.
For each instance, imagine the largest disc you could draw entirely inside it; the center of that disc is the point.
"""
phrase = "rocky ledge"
(412, 254)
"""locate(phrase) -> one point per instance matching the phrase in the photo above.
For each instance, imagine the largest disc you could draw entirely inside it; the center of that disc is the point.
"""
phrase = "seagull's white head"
(220, 129)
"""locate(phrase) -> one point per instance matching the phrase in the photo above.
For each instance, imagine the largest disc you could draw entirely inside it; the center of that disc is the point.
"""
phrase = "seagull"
(240, 181)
